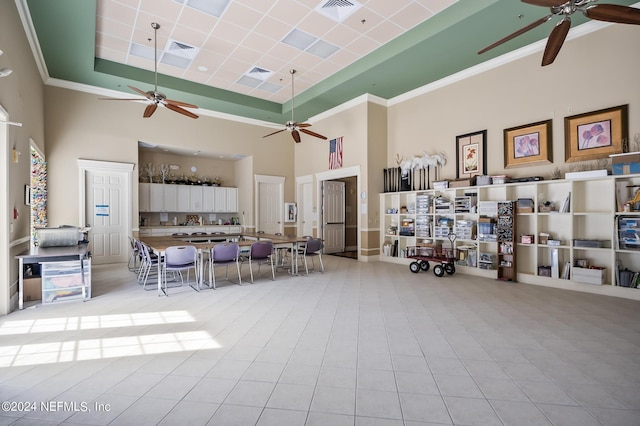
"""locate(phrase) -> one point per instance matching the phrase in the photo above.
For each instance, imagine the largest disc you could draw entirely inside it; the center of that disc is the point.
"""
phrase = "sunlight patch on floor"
(114, 347)
(92, 322)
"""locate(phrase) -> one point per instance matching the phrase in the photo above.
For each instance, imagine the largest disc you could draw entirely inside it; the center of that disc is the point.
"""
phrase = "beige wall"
(89, 128)
(21, 96)
(596, 71)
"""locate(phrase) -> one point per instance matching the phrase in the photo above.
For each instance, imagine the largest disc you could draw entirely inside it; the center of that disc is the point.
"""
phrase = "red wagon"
(443, 257)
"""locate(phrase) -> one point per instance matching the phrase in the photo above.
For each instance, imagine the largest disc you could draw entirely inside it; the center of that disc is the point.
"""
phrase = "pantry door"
(106, 194)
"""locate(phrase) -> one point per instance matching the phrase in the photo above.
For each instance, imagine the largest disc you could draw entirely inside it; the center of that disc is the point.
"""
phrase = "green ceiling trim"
(441, 46)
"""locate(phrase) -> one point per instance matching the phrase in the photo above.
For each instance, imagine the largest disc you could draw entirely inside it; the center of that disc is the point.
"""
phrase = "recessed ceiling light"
(203, 68)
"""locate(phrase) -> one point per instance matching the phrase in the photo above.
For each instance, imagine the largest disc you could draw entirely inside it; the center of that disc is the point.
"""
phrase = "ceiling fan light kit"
(600, 12)
(294, 127)
(154, 97)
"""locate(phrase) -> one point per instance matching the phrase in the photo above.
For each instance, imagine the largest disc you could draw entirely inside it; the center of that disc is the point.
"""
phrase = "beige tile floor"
(361, 344)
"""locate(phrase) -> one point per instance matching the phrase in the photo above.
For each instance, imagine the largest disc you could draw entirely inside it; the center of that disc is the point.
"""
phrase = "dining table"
(205, 242)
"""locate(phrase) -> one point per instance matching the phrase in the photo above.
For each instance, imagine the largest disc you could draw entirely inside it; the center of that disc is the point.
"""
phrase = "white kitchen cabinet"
(195, 204)
(209, 199)
(170, 198)
(156, 192)
(232, 200)
(184, 198)
(220, 198)
(144, 204)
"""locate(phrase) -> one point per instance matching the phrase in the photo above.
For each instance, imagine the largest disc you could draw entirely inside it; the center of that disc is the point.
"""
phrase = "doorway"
(105, 206)
(269, 204)
(350, 177)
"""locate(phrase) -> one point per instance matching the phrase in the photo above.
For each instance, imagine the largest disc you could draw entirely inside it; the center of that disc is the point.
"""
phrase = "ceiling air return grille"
(178, 54)
(338, 10)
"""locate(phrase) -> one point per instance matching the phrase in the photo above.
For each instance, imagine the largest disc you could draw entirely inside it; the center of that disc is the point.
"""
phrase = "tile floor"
(361, 344)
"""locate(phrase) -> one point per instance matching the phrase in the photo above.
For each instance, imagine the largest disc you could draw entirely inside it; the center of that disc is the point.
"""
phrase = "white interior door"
(270, 204)
(105, 203)
(333, 216)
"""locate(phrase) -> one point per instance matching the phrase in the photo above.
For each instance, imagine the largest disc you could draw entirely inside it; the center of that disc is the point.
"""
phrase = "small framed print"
(470, 154)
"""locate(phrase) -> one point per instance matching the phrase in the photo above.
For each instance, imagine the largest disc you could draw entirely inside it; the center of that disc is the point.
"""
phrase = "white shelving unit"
(586, 232)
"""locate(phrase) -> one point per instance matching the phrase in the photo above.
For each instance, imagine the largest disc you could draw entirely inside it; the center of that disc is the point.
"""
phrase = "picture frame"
(596, 134)
(471, 157)
(528, 144)
(290, 212)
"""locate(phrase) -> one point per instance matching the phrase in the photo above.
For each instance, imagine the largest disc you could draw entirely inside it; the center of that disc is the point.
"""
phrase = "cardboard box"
(589, 275)
(32, 289)
(527, 239)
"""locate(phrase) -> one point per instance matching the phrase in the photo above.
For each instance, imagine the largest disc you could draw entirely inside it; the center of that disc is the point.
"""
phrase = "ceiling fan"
(292, 126)
(154, 97)
(600, 12)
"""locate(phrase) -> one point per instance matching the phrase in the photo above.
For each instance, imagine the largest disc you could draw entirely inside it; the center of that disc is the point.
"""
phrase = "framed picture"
(470, 154)
(528, 144)
(290, 212)
(595, 134)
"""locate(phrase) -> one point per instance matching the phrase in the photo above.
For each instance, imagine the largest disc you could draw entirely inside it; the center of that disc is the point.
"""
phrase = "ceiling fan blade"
(614, 13)
(296, 136)
(179, 110)
(141, 92)
(545, 3)
(317, 135)
(517, 33)
(277, 131)
(303, 124)
(179, 103)
(149, 110)
(556, 39)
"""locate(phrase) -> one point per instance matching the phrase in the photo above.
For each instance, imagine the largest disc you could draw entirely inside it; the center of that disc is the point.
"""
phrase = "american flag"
(335, 153)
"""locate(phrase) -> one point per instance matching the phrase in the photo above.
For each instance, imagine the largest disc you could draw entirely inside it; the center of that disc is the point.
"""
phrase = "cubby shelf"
(586, 231)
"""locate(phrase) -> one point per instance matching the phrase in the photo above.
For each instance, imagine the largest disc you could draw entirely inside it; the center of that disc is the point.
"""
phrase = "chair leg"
(251, 270)
(321, 263)
(273, 271)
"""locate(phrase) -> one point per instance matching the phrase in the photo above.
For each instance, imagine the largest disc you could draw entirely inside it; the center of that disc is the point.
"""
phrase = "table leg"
(21, 284)
(159, 274)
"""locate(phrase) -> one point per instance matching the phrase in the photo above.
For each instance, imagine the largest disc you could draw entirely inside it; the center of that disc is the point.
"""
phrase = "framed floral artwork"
(470, 154)
(528, 144)
(595, 134)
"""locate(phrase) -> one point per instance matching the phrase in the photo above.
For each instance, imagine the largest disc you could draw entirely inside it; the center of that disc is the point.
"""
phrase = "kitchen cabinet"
(144, 195)
(170, 198)
(156, 197)
(195, 200)
(184, 198)
(209, 199)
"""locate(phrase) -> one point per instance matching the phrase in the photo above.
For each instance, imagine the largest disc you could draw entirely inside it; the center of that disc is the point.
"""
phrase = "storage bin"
(589, 275)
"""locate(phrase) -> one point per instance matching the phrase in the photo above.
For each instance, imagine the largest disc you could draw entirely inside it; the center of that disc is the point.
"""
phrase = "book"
(566, 204)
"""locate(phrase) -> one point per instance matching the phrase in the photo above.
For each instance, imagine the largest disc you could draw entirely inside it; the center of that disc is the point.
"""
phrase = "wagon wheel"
(438, 270)
(414, 267)
(450, 268)
(424, 265)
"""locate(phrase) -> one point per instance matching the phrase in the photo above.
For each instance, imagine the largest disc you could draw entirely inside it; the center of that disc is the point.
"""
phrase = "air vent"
(338, 10)
(181, 49)
(259, 73)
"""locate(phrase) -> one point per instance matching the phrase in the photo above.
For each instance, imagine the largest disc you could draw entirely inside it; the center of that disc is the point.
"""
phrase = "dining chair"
(148, 264)
(261, 252)
(224, 254)
(134, 255)
(312, 248)
(178, 259)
